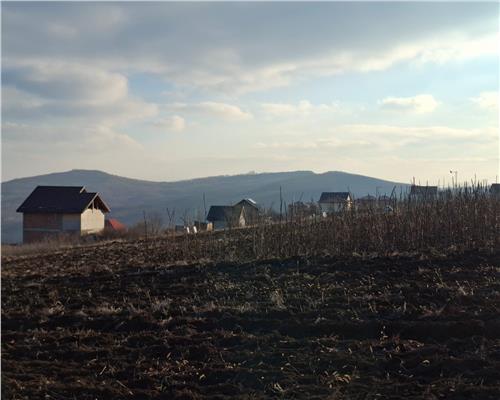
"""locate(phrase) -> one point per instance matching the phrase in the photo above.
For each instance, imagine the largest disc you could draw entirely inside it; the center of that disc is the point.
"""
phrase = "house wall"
(92, 221)
(71, 222)
(37, 227)
(219, 224)
(330, 207)
(42, 221)
(251, 214)
(336, 206)
(241, 221)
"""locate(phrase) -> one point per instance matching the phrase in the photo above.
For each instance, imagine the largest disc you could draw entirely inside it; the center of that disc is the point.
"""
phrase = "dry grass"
(467, 219)
(461, 221)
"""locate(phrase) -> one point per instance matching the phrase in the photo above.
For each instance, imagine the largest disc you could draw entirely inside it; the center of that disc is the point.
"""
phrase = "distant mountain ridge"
(129, 198)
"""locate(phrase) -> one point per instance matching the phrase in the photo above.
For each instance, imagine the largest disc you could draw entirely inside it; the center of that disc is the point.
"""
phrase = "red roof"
(115, 225)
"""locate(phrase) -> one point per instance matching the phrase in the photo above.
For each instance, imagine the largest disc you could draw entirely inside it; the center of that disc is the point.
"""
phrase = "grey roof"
(220, 213)
(423, 190)
(247, 201)
(60, 199)
(368, 197)
(334, 197)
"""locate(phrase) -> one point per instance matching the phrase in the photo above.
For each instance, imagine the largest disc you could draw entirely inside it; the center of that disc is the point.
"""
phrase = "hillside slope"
(128, 198)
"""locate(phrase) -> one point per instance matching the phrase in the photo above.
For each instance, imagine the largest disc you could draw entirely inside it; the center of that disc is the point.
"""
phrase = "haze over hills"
(128, 198)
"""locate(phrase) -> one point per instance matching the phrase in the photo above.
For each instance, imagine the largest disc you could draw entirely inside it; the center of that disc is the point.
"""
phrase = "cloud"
(487, 100)
(63, 81)
(397, 132)
(87, 139)
(228, 112)
(326, 144)
(216, 46)
(362, 137)
(420, 104)
(303, 108)
(302, 145)
(63, 89)
(174, 123)
(83, 74)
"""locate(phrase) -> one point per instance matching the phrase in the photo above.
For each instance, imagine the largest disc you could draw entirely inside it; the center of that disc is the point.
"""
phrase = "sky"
(171, 91)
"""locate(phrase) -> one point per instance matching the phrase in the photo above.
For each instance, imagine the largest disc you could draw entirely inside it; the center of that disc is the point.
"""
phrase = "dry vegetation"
(357, 306)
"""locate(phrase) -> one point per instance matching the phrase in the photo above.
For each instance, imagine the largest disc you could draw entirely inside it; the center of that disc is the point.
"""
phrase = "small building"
(332, 202)
(367, 202)
(251, 210)
(495, 189)
(423, 193)
(223, 217)
(114, 225)
(54, 210)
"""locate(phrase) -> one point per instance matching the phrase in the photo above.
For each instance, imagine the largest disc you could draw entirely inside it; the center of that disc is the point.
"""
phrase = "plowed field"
(103, 324)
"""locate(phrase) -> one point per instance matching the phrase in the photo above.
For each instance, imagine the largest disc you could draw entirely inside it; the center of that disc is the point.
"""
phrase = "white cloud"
(420, 104)
(303, 108)
(287, 145)
(101, 138)
(228, 112)
(316, 145)
(357, 137)
(422, 132)
(174, 123)
(217, 47)
(35, 89)
(487, 100)
(63, 81)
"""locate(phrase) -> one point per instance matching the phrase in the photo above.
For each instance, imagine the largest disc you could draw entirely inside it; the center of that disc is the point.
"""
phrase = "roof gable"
(61, 199)
(220, 213)
(247, 202)
(223, 213)
(368, 197)
(334, 197)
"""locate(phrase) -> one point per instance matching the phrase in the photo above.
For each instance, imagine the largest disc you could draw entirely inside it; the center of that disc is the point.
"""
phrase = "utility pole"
(204, 207)
(281, 204)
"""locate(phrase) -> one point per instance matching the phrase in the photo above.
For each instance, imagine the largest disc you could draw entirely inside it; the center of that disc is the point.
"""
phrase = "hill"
(128, 198)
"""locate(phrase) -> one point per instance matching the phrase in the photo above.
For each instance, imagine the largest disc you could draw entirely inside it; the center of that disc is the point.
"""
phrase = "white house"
(54, 210)
(251, 210)
(223, 217)
(333, 202)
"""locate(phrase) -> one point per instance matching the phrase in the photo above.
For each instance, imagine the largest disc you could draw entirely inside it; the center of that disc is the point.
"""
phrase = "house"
(423, 193)
(495, 189)
(114, 225)
(251, 210)
(223, 217)
(331, 202)
(54, 210)
(367, 202)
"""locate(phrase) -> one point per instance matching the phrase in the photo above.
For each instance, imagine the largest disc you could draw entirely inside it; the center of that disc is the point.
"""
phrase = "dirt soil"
(105, 324)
